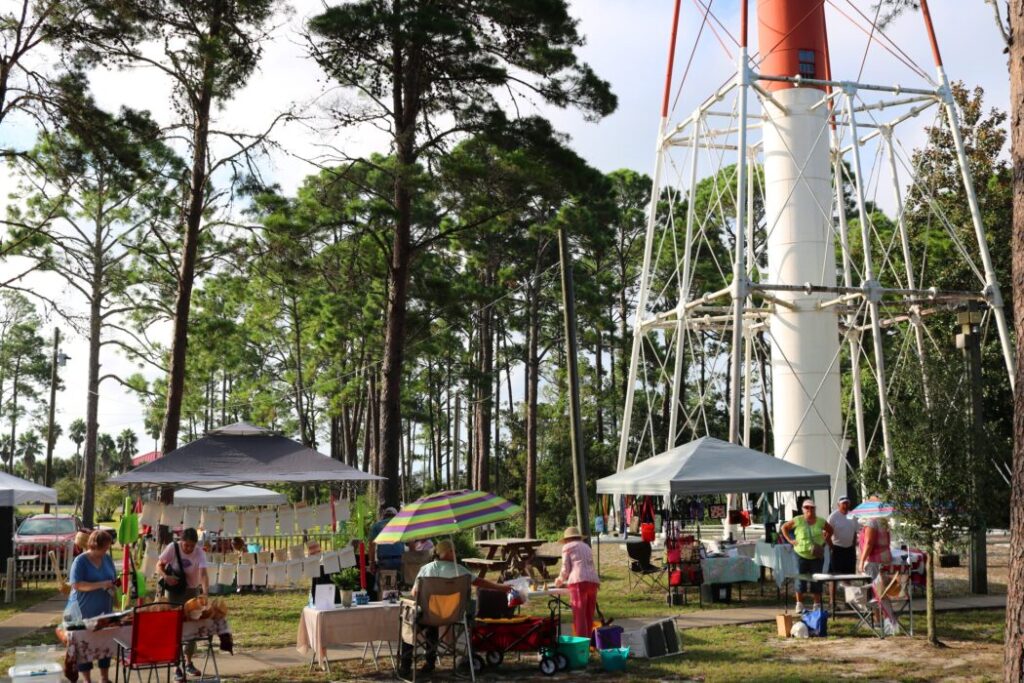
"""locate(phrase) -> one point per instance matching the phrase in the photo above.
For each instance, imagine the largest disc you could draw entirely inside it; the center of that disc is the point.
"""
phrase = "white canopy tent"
(229, 495)
(711, 466)
(17, 491)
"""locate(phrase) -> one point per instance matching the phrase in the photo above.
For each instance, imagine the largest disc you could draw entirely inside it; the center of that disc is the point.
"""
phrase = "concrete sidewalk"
(40, 615)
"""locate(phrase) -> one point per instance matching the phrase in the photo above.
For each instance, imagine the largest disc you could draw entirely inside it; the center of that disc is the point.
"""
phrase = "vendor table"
(319, 629)
(780, 558)
(517, 552)
(728, 570)
(834, 579)
(86, 646)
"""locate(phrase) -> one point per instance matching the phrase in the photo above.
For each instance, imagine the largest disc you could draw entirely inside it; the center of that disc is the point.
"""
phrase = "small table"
(376, 622)
(517, 552)
(779, 558)
(86, 646)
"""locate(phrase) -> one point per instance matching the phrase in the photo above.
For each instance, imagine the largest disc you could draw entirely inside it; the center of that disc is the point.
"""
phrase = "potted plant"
(347, 580)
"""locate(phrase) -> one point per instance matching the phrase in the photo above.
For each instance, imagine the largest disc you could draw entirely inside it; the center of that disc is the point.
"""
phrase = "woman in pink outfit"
(580, 575)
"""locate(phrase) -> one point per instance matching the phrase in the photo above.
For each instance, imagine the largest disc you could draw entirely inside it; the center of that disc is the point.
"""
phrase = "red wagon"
(492, 638)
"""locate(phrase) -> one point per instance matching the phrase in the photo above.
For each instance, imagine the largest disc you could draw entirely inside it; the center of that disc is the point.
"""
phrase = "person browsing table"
(92, 580)
(580, 575)
(808, 535)
(843, 555)
(182, 565)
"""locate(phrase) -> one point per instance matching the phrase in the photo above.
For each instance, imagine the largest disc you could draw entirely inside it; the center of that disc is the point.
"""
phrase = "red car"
(39, 534)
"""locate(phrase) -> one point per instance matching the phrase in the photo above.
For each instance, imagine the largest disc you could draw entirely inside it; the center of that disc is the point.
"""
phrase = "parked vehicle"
(42, 533)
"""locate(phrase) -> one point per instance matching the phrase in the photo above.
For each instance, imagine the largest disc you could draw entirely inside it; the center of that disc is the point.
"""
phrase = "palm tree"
(127, 444)
(76, 432)
(29, 447)
(107, 450)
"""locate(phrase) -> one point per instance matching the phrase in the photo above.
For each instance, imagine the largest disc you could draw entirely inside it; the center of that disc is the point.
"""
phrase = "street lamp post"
(59, 360)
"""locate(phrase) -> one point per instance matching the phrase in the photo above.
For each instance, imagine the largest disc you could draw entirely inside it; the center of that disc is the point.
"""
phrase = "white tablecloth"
(321, 629)
(780, 558)
(87, 646)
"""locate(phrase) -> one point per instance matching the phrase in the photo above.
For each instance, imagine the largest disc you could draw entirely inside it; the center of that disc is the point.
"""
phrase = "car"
(42, 533)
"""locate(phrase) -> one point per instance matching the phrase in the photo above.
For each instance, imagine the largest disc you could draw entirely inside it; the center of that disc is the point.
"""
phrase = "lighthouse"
(800, 242)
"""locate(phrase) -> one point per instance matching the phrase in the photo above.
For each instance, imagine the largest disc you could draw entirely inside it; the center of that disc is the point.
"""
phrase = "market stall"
(30, 561)
(710, 467)
(218, 471)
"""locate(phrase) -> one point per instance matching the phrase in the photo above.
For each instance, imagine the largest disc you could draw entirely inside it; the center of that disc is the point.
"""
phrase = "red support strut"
(671, 61)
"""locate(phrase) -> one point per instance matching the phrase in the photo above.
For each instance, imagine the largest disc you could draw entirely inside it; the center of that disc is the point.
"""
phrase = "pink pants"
(583, 598)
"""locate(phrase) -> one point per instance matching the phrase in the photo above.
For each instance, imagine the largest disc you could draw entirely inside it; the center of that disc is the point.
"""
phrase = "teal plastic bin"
(576, 650)
(614, 658)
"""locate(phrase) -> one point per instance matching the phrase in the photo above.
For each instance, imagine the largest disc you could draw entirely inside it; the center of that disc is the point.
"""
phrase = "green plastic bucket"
(576, 650)
(614, 658)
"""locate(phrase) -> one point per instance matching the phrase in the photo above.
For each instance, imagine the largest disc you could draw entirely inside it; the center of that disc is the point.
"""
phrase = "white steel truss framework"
(703, 338)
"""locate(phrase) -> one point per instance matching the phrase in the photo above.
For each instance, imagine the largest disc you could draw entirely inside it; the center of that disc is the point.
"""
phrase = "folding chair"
(886, 603)
(155, 642)
(412, 561)
(642, 572)
(894, 598)
(442, 604)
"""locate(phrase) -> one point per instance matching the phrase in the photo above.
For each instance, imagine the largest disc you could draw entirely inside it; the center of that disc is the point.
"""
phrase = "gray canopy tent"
(229, 495)
(16, 491)
(242, 453)
(712, 466)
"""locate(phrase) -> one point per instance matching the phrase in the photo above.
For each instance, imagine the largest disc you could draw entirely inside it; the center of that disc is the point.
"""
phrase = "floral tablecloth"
(87, 646)
(729, 570)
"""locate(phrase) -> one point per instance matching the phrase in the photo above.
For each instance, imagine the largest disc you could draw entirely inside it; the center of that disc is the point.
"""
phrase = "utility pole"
(59, 360)
(579, 467)
(969, 340)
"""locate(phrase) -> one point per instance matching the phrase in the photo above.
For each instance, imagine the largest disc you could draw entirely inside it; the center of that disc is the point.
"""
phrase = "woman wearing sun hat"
(580, 575)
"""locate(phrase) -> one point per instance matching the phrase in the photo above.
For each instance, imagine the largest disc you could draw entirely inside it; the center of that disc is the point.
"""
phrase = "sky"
(627, 44)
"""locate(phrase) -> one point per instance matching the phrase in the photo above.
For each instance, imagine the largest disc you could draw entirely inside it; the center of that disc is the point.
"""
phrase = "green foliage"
(109, 499)
(347, 579)
(69, 490)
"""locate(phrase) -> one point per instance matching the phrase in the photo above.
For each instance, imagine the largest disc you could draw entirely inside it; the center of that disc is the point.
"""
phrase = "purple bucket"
(608, 637)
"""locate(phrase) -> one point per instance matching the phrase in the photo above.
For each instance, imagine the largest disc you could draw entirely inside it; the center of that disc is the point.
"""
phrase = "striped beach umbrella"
(872, 509)
(446, 513)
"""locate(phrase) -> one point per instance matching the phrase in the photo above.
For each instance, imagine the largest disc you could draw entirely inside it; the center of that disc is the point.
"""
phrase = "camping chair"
(442, 604)
(412, 561)
(155, 642)
(883, 606)
(894, 598)
(641, 571)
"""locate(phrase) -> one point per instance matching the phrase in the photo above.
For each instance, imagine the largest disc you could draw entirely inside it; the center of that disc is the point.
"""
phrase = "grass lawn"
(754, 653)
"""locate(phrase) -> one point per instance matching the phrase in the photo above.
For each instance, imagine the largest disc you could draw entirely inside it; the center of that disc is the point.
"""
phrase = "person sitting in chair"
(443, 567)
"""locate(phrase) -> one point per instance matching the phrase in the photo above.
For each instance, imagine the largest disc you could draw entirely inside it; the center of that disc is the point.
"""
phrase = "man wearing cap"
(808, 534)
(843, 549)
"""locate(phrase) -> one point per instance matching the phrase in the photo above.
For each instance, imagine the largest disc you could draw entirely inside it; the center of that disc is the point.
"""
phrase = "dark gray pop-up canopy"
(241, 454)
(710, 466)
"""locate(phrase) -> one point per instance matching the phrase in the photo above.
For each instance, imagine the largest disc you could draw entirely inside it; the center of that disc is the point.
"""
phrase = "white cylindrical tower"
(807, 422)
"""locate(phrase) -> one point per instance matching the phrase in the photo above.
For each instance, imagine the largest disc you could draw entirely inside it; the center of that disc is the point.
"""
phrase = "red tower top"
(792, 40)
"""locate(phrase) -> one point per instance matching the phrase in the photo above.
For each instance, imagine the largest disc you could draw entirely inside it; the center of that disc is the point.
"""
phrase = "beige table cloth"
(323, 629)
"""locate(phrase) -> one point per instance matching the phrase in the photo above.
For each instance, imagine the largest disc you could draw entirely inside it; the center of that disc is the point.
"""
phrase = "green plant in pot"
(347, 581)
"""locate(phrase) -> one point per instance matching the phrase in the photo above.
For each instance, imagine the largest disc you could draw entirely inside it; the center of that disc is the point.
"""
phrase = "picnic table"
(516, 553)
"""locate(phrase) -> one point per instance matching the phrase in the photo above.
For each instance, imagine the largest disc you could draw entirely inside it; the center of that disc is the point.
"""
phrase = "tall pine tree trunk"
(189, 252)
(485, 396)
(1013, 654)
(532, 382)
(93, 400)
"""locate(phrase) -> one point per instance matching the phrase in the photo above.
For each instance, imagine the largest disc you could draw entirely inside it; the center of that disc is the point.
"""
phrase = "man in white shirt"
(843, 554)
